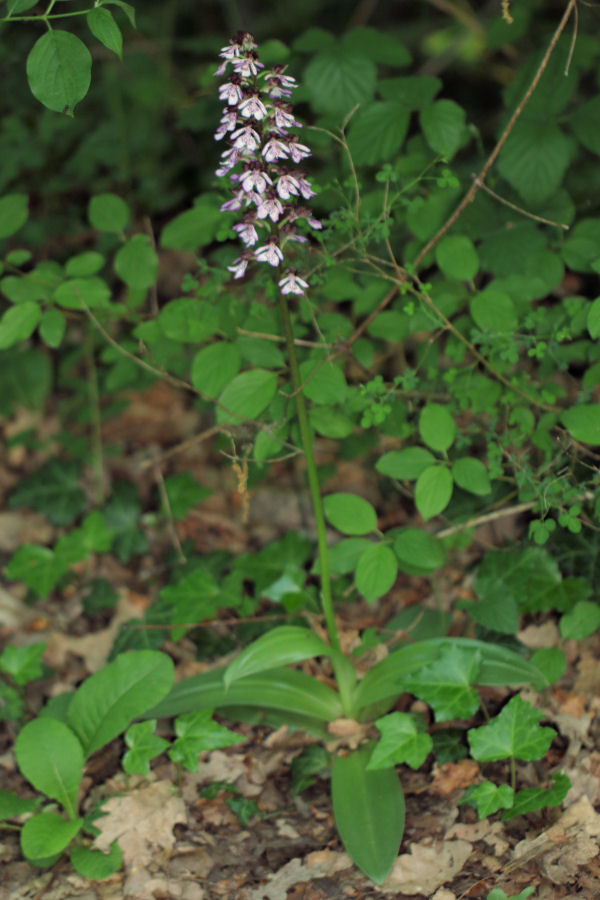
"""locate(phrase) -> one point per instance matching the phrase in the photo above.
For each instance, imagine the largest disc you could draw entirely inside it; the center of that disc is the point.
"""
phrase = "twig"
(160, 481)
(518, 209)
(487, 517)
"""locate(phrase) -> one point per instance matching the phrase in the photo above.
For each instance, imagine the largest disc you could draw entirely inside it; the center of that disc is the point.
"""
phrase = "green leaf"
(193, 228)
(593, 319)
(52, 490)
(12, 805)
(406, 464)
(580, 249)
(281, 646)
(530, 577)
(514, 732)
(583, 422)
(83, 264)
(59, 70)
(323, 382)
(14, 212)
(488, 798)
(194, 598)
(446, 684)
(26, 377)
(585, 122)
(498, 894)
(284, 690)
(433, 491)
(37, 567)
(443, 126)
(400, 742)
(92, 291)
(579, 622)
(349, 513)
(551, 661)
(417, 550)
(143, 745)
(183, 493)
(530, 799)
(197, 732)
(214, 367)
(187, 319)
(93, 536)
(246, 396)
(122, 514)
(51, 759)
(127, 8)
(136, 263)
(330, 422)
(471, 475)
(313, 760)
(502, 617)
(375, 572)
(494, 312)
(103, 26)
(104, 705)
(18, 323)
(344, 556)
(377, 132)
(380, 46)
(436, 427)
(534, 158)
(338, 80)
(23, 664)
(457, 258)
(46, 835)
(52, 328)
(108, 212)
(95, 864)
(368, 808)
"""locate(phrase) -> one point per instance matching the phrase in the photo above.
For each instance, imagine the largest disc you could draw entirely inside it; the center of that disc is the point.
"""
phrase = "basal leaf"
(281, 646)
(46, 835)
(105, 704)
(95, 864)
(59, 70)
(51, 758)
(197, 732)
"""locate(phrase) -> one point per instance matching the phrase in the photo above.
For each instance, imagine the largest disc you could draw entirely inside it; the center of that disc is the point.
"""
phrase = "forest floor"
(180, 842)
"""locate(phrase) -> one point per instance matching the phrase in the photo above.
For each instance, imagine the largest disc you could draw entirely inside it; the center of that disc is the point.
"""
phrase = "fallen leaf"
(427, 867)
(319, 864)
(452, 777)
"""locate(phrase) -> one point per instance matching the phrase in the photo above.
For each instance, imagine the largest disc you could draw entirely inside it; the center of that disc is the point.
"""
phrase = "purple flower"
(255, 178)
(231, 91)
(291, 283)
(246, 138)
(283, 115)
(287, 185)
(297, 151)
(253, 107)
(238, 267)
(274, 149)
(270, 207)
(247, 66)
(246, 230)
(269, 253)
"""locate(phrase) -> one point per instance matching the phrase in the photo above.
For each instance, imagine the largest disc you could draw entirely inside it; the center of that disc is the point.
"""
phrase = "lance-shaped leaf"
(51, 758)
(447, 684)
(401, 742)
(368, 807)
(284, 690)
(105, 704)
(279, 647)
(514, 732)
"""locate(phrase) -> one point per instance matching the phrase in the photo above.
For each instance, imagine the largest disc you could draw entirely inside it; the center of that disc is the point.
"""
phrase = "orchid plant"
(271, 191)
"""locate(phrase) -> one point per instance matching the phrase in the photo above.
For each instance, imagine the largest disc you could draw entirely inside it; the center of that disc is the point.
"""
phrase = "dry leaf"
(427, 867)
(452, 777)
(319, 864)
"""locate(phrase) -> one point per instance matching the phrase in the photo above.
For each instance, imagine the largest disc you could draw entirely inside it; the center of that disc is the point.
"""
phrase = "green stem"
(313, 481)
(97, 456)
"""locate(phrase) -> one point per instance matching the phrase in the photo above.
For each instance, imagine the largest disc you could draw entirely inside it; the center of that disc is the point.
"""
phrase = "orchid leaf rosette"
(262, 160)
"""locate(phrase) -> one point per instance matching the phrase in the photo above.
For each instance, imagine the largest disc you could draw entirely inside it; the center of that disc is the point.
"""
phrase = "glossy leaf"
(281, 646)
(488, 798)
(285, 690)
(51, 758)
(105, 704)
(514, 732)
(368, 807)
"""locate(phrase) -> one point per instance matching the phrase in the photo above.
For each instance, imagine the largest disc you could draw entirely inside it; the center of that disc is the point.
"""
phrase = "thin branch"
(518, 209)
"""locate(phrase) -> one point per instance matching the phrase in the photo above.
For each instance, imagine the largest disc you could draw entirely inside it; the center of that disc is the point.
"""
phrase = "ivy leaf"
(400, 742)
(197, 732)
(514, 732)
(530, 799)
(194, 598)
(23, 664)
(93, 536)
(37, 567)
(143, 745)
(446, 684)
(59, 69)
(183, 493)
(52, 490)
(433, 491)
(488, 798)
(122, 514)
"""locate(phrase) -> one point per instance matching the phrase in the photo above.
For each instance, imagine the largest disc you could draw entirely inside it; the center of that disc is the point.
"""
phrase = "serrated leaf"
(122, 514)
(338, 80)
(246, 396)
(108, 212)
(433, 491)
(47, 835)
(437, 427)
(585, 122)
(368, 807)
(59, 70)
(376, 572)
(534, 158)
(471, 475)
(380, 46)
(194, 598)
(583, 422)
(143, 745)
(406, 464)
(377, 132)
(400, 742)
(51, 758)
(443, 125)
(530, 577)
(281, 646)
(350, 514)
(18, 323)
(183, 493)
(514, 732)
(457, 258)
(447, 684)
(103, 26)
(580, 249)
(197, 732)
(136, 263)
(93, 536)
(14, 212)
(105, 704)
